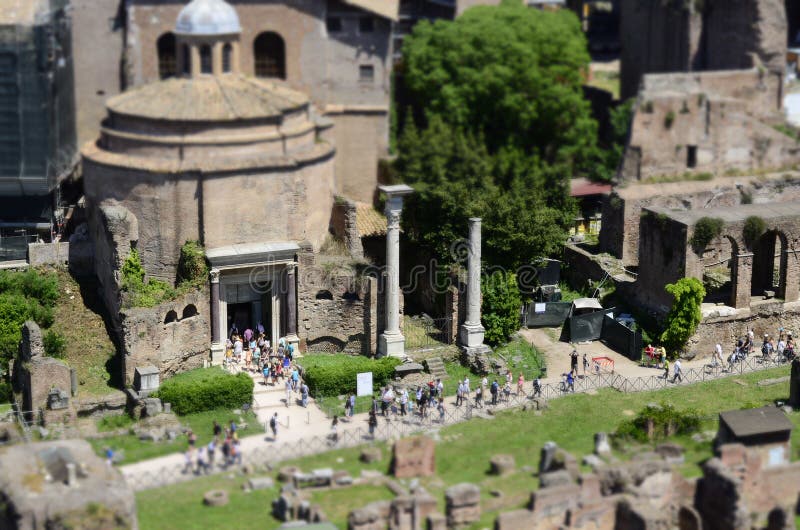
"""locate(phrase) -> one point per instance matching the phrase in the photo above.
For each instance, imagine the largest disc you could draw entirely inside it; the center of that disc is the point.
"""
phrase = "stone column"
(742, 280)
(471, 333)
(391, 341)
(217, 348)
(291, 308)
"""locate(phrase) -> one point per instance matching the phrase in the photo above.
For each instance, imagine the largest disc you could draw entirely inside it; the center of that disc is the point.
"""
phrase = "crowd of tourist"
(201, 458)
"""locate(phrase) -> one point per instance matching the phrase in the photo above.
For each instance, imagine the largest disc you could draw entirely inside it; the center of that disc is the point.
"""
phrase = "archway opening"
(769, 269)
(171, 317)
(324, 295)
(167, 56)
(269, 52)
(189, 311)
(719, 270)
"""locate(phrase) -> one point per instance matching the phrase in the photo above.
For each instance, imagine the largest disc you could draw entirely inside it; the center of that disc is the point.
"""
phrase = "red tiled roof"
(582, 187)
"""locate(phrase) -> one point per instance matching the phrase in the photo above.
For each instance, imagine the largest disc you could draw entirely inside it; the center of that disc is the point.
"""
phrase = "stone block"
(671, 452)
(436, 521)
(601, 445)
(555, 478)
(259, 483)
(732, 455)
(287, 473)
(502, 464)
(151, 407)
(216, 498)
(414, 457)
(146, 379)
(462, 503)
(371, 454)
(515, 520)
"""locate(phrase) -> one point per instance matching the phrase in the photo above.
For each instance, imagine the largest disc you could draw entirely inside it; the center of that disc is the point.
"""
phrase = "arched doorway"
(269, 52)
(769, 265)
(719, 270)
(227, 52)
(167, 57)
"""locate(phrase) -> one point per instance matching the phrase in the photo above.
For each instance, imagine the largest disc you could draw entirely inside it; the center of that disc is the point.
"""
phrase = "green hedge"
(206, 389)
(334, 375)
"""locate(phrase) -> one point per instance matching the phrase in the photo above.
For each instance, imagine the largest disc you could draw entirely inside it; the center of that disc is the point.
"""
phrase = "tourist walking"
(403, 402)
(716, 357)
(334, 436)
(677, 374)
(352, 404)
(520, 384)
(666, 368)
(479, 397)
(304, 394)
(570, 382)
(573, 361)
(273, 425)
(460, 394)
(288, 386)
(494, 390)
(585, 364)
(372, 422)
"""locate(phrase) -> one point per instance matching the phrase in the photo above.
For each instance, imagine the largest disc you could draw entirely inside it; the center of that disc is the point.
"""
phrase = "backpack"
(272, 422)
(766, 348)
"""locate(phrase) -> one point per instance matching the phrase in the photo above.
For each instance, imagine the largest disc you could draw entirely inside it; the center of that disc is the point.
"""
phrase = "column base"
(294, 340)
(470, 335)
(217, 354)
(391, 344)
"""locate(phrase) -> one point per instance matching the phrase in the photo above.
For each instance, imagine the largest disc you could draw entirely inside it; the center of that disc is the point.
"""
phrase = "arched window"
(324, 295)
(227, 51)
(171, 317)
(205, 59)
(189, 311)
(270, 55)
(187, 60)
(167, 58)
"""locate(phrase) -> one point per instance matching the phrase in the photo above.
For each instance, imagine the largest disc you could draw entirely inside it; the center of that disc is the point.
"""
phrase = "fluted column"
(391, 341)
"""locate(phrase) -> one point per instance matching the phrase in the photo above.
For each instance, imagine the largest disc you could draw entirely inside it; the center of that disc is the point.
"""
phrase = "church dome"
(208, 17)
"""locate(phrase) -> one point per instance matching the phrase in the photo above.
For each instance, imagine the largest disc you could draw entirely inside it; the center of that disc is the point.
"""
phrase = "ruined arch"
(171, 317)
(269, 53)
(720, 273)
(769, 264)
(189, 311)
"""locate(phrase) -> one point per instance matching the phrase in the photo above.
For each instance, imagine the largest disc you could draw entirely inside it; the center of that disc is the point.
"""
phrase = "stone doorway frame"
(254, 265)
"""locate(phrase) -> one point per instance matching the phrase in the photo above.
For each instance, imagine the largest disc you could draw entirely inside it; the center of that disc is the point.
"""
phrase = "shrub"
(28, 295)
(141, 293)
(705, 231)
(685, 315)
(500, 306)
(192, 266)
(55, 345)
(206, 389)
(661, 421)
(334, 375)
(669, 119)
(754, 227)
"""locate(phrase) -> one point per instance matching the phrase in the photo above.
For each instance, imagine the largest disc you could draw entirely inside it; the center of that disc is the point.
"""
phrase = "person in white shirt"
(677, 372)
(717, 355)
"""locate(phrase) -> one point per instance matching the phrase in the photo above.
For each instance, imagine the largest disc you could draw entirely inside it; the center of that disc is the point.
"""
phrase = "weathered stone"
(592, 461)
(601, 445)
(35, 480)
(548, 453)
(515, 520)
(287, 473)
(794, 384)
(259, 483)
(437, 521)
(152, 407)
(414, 457)
(291, 505)
(462, 503)
(371, 454)
(216, 498)
(671, 452)
(555, 478)
(502, 464)
(373, 516)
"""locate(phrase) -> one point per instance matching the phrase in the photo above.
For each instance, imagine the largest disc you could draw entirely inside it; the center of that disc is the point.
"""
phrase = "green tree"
(509, 73)
(525, 207)
(685, 314)
(501, 304)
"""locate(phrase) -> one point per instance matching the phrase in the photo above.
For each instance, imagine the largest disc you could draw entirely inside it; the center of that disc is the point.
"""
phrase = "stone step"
(436, 367)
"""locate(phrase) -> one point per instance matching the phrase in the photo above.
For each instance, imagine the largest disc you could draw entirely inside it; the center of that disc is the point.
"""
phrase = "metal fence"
(422, 333)
(15, 248)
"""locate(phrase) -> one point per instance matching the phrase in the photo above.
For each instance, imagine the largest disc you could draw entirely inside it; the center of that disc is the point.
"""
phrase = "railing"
(422, 333)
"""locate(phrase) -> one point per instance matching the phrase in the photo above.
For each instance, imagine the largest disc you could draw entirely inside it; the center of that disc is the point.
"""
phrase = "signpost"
(364, 384)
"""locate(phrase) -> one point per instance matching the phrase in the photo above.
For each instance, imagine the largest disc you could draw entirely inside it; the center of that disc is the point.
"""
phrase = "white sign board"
(539, 308)
(364, 384)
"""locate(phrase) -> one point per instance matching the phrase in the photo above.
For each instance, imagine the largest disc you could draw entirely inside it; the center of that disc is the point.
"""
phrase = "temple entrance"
(239, 317)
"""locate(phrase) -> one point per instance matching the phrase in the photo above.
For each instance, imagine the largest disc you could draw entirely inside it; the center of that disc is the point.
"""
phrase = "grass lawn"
(521, 356)
(465, 449)
(201, 423)
(79, 318)
(185, 511)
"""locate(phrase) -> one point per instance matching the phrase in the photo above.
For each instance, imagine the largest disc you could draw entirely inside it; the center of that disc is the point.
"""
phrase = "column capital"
(214, 275)
(475, 220)
(393, 217)
(291, 267)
